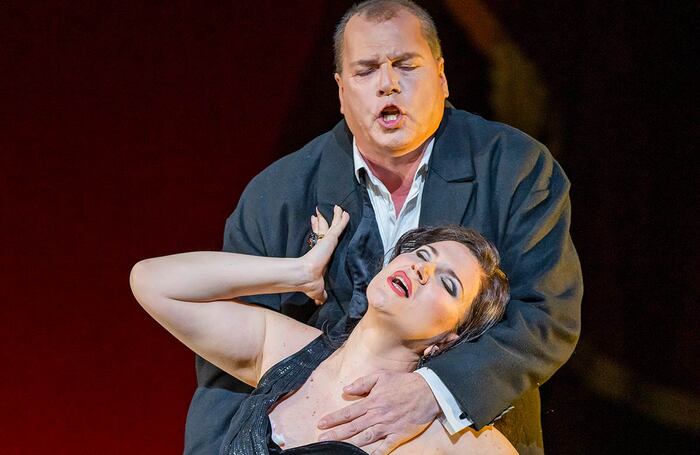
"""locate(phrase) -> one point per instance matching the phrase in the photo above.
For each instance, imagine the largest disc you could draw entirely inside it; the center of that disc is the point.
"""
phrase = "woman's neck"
(367, 350)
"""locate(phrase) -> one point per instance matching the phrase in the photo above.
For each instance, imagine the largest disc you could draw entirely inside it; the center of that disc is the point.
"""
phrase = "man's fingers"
(368, 435)
(360, 431)
(390, 443)
(362, 386)
(345, 415)
(397, 409)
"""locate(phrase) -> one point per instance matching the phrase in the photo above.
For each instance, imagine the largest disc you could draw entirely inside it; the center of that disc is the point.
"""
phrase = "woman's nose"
(424, 270)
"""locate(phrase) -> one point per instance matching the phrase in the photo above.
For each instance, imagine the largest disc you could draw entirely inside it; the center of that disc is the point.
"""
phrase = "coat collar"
(450, 182)
(447, 189)
(452, 157)
(336, 177)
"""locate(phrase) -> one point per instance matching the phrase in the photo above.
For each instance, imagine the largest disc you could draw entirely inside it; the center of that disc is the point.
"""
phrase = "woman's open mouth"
(400, 284)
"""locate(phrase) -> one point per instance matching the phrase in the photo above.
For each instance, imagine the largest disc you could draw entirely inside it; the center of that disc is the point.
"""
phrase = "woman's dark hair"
(489, 304)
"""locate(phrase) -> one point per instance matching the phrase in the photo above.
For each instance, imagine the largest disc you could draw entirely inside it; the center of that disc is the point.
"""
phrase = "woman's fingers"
(322, 223)
(340, 220)
(314, 223)
(320, 226)
(322, 249)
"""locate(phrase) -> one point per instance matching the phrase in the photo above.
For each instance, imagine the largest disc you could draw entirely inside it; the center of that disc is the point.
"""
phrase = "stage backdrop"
(129, 129)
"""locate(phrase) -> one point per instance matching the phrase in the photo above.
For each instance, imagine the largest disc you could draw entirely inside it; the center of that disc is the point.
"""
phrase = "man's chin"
(395, 143)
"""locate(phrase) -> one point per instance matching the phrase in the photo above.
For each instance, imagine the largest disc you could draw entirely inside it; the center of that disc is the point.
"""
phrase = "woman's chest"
(294, 418)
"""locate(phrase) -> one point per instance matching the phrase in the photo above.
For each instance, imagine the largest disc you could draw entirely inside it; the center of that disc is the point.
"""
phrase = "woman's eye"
(422, 254)
(449, 285)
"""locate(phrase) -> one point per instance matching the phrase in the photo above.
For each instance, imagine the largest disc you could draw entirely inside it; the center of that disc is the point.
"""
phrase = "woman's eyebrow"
(447, 271)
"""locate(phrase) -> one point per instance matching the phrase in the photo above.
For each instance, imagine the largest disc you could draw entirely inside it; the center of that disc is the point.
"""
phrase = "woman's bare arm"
(193, 295)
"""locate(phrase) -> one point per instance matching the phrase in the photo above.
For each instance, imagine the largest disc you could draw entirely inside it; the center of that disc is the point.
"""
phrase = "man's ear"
(443, 78)
(339, 81)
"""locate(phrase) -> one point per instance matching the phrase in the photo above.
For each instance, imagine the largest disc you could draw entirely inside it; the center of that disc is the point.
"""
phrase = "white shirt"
(391, 227)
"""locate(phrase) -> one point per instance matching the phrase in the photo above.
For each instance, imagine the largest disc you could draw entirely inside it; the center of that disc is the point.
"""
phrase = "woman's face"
(426, 293)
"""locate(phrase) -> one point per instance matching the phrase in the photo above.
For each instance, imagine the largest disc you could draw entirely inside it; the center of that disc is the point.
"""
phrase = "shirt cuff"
(452, 418)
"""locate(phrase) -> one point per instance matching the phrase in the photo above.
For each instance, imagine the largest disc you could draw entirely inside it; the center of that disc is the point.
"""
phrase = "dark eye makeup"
(423, 254)
(448, 284)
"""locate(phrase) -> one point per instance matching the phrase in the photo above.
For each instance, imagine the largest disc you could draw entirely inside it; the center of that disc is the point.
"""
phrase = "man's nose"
(425, 271)
(388, 80)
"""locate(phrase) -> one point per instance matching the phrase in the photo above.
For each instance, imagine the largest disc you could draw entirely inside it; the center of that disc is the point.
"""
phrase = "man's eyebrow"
(394, 58)
(404, 56)
(448, 271)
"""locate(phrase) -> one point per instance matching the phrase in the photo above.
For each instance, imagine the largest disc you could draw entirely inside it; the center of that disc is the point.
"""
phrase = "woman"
(442, 286)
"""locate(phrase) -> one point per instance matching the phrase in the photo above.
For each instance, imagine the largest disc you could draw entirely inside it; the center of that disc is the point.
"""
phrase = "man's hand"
(397, 407)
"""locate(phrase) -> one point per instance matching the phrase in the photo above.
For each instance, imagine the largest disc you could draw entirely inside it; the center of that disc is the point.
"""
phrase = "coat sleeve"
(542, 322)
(245, 232)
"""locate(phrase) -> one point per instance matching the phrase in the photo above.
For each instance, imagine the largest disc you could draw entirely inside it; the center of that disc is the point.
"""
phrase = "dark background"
(128, 130)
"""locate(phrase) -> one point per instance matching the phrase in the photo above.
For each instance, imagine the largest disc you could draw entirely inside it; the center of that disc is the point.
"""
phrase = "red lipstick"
(400, 284)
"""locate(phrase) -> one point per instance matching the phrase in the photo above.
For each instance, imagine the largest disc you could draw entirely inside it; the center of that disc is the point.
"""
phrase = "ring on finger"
(314, 238)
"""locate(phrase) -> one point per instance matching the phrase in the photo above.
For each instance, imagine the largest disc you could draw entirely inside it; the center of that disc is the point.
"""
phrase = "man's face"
(392, 90)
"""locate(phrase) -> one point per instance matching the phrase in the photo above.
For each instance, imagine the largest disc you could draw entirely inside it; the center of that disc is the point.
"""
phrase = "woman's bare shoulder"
(283, 337)
(435, 440)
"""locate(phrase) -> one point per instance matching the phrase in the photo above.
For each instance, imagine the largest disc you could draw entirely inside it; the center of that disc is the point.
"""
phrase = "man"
(402, 159)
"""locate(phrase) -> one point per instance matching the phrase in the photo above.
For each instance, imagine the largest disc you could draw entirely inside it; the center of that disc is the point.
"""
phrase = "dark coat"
(483, 175)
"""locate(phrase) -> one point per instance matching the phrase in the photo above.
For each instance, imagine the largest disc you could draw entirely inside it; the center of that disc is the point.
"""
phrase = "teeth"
(390, 117)
(400, 284)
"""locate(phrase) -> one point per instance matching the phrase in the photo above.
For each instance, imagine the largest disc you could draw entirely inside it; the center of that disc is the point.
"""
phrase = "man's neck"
(396, 173)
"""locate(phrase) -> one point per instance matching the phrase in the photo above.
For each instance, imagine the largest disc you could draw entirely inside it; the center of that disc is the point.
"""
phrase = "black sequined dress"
(250, 432)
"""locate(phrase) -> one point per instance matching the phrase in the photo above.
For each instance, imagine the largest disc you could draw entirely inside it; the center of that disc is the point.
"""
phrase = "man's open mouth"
(390, 113)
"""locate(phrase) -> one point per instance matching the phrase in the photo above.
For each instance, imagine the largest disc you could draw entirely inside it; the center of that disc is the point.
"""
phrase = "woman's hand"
(316, 260)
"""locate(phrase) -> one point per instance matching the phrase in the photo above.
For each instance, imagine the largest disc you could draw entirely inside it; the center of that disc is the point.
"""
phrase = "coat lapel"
(448, 189)
(349, 271)
(336, 178)
(450, 181)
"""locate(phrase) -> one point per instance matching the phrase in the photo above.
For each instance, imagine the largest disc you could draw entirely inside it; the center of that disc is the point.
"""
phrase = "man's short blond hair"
(380, 11)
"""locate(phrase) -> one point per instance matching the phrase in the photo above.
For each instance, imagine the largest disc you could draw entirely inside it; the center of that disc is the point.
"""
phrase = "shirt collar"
(360, 162)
